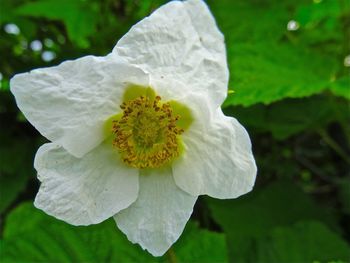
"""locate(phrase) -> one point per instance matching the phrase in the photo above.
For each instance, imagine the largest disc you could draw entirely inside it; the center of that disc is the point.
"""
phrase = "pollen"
(147, 135)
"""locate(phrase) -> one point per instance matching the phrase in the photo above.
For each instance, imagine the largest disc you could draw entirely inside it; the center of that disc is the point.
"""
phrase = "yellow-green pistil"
(147, 133)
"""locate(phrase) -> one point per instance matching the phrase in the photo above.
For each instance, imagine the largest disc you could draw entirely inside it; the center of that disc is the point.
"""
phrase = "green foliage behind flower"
(291, 89)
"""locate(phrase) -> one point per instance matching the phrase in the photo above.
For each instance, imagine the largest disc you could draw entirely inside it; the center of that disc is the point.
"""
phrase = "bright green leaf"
(341, 87)
(201, 246)
(267, 62)
(270, 72)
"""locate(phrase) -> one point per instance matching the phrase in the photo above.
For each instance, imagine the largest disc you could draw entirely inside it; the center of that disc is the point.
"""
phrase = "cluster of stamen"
(146, 135)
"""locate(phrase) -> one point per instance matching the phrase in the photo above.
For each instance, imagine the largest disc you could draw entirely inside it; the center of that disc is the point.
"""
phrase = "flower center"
(147, 133)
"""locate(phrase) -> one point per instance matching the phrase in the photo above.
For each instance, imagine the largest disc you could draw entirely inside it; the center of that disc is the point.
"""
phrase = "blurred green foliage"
(289, 65)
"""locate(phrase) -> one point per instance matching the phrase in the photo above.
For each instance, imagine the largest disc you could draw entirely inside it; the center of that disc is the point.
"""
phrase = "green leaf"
(252, 216)
(80, 17)
(292, 116)
(303, 242)
(268, 62)
(341, 86)
(320, 23)
(283, 72)
(201, 246)
(32, 236)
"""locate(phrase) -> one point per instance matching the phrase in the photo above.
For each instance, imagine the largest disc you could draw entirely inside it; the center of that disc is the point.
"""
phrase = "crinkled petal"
(217, 160)
(159, 215)
(83, 191)
(181, 41)
(69, 103)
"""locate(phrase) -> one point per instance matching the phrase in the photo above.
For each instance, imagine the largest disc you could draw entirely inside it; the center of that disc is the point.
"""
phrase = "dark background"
(290, 87)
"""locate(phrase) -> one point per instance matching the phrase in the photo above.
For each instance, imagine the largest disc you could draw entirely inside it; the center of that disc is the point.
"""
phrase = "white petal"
(83, 191)
(180, 41)
(217, 160)
(159, 215)
(69, 103)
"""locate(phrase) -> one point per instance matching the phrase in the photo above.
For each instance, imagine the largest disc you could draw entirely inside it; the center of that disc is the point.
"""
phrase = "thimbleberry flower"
(139, 134)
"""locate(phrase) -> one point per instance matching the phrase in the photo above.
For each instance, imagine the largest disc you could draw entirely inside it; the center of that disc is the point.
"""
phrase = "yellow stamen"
(147, 134)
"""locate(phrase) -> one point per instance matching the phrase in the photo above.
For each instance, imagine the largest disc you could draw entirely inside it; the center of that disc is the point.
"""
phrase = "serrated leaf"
(308, 241)
(284, 71)
(32, 236)
(269, 63)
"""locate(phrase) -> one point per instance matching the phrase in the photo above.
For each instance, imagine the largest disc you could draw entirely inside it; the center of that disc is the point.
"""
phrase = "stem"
(171, 256)
(324, 135)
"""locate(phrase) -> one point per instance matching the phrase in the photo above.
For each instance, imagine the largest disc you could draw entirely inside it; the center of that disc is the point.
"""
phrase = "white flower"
(118, 148)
